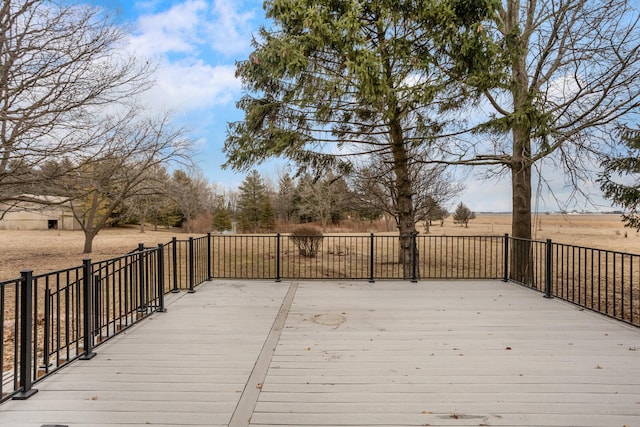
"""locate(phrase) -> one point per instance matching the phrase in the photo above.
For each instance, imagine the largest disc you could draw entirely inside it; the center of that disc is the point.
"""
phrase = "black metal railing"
(44, 318)
(187, 263)
(12, 323)
(604, 281)
(461, 257)
(365, 257)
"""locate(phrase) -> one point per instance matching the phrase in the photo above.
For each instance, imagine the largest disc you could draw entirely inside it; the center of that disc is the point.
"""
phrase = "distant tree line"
(328, 199)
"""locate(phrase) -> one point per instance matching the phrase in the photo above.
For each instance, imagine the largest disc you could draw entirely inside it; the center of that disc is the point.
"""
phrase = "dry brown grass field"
(601, 231)
(49, 250)
(43, 251)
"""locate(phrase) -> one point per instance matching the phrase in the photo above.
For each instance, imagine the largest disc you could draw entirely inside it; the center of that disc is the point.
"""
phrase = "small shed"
(32, 212)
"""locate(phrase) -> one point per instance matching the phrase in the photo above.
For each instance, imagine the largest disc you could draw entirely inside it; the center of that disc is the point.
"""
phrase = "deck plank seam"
(241, 416)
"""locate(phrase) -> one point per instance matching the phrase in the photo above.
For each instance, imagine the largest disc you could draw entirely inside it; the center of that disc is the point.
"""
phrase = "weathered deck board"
(184, 367)
(353, 354)
(448, 353)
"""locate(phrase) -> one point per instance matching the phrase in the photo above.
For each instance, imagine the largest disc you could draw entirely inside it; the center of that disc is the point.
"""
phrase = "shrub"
(200, 224)
(307, 239)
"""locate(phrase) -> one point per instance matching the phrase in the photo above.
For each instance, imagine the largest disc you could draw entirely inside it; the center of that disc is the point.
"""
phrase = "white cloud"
(230, 29)
(193, 41)
(195, 27)
(187, 86)
(173, 31)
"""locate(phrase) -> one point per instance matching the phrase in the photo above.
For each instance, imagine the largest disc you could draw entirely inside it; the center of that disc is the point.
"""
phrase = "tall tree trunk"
(90, 231)
(521, 260)
(89, 235)
(187, 220)
(323, 213)
(142, 218)
(406, 214)
(521, 189)
(521, 264)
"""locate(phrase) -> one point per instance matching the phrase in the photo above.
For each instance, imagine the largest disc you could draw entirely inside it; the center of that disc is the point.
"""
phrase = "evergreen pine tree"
(221, 216)
(620, 180)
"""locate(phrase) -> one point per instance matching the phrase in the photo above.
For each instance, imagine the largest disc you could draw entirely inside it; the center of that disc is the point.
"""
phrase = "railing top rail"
(522, 239)
(608, 251)
(133, 254)
(137, 250)
(9, 282)
(57, 272)
(204, 237)
(367, 235)
(464, 236)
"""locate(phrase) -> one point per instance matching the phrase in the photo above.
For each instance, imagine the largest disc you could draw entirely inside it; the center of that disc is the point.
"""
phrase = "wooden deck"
(481, 353)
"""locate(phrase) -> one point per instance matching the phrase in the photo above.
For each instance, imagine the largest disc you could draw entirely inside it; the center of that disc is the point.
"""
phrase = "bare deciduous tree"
(105, 179)
(550, 82)
(321, 199)
(59, 64)
(149, 201)
(192, 195)
(433, 186)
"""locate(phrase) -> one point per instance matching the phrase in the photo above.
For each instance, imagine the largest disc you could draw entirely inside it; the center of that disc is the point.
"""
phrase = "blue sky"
(197, 43)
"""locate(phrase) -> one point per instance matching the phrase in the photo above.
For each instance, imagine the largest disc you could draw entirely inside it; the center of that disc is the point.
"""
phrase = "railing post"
(26, 335)
(47, 330)
(174, 259)
(371, 254)
(191, 267)
(87, 282)
(161, 278)
(209, 275)
(278, 278)
(547, 271)
(141, 280)
(505, 277)
(95, 295)
(414, 257)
